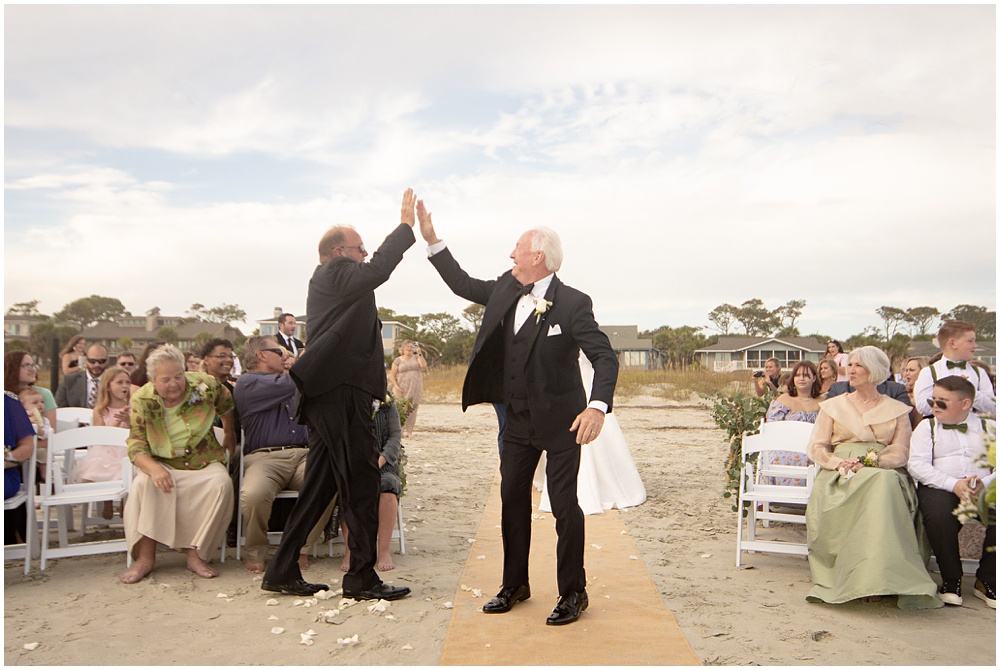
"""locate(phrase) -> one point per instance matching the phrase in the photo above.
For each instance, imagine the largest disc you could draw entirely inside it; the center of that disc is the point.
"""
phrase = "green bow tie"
(954, 364)
(960, 427)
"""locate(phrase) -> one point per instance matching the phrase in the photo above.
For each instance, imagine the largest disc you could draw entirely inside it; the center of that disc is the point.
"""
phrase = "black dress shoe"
(297, 587)
(507, 598)
(568, 609)
(380, 591)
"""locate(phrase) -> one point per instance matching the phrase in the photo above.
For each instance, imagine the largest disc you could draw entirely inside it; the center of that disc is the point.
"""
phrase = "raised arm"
(457, 279)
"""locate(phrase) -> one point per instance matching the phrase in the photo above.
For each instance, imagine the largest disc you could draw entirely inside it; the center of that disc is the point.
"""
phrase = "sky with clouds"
(687, 155)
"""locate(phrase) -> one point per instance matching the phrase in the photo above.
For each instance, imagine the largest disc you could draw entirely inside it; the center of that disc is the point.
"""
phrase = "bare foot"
(137, 572)
(254, 567)
(345, 565)
(199, 567)
(385, 563)
(109, 509)
(303, 561)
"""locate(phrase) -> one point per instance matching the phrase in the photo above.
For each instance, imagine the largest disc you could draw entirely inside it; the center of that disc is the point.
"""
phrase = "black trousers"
(342, 458)
(942, 528)
(521, 451)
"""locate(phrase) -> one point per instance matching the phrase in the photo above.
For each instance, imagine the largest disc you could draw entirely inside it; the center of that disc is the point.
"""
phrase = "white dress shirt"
(923, 388)
(941, 459)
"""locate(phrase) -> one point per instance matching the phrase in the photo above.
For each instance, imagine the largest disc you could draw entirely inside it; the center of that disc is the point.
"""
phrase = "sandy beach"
(755, 615)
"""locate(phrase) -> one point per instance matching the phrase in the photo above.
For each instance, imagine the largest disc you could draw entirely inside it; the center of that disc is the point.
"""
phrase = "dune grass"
(443, 383)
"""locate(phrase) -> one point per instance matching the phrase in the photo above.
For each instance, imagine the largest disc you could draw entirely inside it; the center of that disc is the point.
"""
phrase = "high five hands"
(406, 213)
(426, 225)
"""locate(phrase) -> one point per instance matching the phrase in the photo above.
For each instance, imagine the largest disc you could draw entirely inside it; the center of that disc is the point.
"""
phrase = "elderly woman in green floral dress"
(182, 496)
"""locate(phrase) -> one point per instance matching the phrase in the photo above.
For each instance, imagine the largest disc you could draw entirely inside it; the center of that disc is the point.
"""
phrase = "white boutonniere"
(541, 306)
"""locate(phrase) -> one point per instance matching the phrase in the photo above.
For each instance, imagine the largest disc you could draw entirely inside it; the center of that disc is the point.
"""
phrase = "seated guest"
(800, 403)
(19, 373)
(182, 496)
(80, 388)
(770, 380)
(126, 359)
(217, 360)
(958, 346)
(862, 513)
(827, 372)
(139, 376)
(71, 356)
(388, 435)
(103, 462)
(34, 404)
(275, 449)
(947, 458)
(909, 372)
(18, 443)
(894, 390)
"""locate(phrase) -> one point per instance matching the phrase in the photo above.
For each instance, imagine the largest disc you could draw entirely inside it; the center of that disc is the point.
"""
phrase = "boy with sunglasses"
(957, 340)
(948, 459)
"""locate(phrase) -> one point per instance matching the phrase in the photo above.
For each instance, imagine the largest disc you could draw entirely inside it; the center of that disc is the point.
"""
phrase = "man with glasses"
(80, 388)
(275, 447)
(126, 359)
(218, 357)
(339, 374)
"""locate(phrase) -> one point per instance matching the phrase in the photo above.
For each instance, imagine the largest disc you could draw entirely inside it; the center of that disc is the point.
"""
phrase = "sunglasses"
(275, 350)
(127, 364)
(940, 404)
(95, 361)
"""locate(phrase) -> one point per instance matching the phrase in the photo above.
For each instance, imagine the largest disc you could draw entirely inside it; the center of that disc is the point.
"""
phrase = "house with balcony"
(732, 353)
(142, 330)
(634, 352)
(18, 326)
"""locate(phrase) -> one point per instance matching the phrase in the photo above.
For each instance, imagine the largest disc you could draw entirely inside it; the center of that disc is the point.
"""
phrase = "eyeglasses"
(127, 364)
(940, 404)
(221, 356)
(95, 361)
(29, 366)
(275, 350)
(359, 247)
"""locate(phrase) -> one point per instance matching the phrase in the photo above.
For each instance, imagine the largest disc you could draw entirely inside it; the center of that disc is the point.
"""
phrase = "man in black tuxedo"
(286, 334)
(526, 356)
(338, 376)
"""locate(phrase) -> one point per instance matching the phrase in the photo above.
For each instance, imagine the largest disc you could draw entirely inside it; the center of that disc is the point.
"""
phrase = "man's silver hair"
(874, 360)
(547, 241)
(253, 345)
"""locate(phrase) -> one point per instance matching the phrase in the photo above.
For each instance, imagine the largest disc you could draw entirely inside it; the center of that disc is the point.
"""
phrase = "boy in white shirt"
(957, 340)
(948, 459)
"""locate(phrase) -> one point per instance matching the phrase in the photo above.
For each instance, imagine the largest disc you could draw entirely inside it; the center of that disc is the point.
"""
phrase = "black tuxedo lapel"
(494, 315)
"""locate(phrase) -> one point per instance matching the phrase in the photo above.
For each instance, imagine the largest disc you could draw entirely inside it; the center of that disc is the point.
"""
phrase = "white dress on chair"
(608, 476)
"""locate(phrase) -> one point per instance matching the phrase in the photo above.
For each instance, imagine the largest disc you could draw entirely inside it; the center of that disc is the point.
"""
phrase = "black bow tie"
(526, 289)
(960, 427)
(955, 364)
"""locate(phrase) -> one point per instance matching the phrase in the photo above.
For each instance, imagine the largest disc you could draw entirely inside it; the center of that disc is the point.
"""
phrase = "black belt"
(269, 449)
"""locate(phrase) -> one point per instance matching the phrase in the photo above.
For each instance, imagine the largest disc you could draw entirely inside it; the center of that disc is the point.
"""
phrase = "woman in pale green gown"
(863, 520)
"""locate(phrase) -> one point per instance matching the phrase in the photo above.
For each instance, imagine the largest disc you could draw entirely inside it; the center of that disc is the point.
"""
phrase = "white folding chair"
(25, 496)
(784, 436)
(60, 492)
(73, 417)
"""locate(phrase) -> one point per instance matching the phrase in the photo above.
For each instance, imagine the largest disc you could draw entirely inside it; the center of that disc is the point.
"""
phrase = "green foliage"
(91, 310)
(224, 313)
(474, 315)
(789, 314)
(40, 340)
(737, 414)
(892, 318)
(723, 317)
(201, 339)
(920, 318)
(678, 344)
(29, 308)
(167, 334)
(984, 320)
(15, 345)
(756, 319)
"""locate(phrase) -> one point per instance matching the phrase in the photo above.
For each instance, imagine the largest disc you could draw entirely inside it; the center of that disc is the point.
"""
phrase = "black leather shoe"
(506, 599)
(568, 609)
(380, 591)
(297, 587)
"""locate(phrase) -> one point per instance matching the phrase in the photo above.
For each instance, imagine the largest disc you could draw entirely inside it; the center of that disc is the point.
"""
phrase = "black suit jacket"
(894, 390)
(281, 341)
(72, 390)
(345, 334)
(555, 390)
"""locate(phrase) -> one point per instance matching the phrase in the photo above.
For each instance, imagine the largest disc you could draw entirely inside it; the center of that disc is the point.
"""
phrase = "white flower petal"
(272, 601)
(448, 605)
(277, 630)
(31, 646)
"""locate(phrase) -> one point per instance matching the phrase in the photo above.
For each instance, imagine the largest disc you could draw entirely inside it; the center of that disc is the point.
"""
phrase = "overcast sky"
(687, 155)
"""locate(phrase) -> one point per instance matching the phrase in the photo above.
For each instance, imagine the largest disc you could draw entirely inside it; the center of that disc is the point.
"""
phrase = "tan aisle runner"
(626, 623)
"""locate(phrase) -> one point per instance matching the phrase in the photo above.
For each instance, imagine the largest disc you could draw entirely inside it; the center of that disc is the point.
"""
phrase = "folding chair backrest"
(68, 418)
(65, 442)
(781, 436)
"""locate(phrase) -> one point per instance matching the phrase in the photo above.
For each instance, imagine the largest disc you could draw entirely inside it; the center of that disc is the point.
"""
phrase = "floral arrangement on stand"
(738, 414)
(982, 508)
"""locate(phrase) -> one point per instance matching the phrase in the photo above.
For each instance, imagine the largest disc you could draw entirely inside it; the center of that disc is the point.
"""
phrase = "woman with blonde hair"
(182, 496)
(827, 370)
(909, 372)
(103, 463)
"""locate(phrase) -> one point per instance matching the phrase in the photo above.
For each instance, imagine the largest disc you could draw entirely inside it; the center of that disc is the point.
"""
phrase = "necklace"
(864, 400)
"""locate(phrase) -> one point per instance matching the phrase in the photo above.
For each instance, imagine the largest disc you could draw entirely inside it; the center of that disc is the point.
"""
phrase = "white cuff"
(435, 248)
(598, 405)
